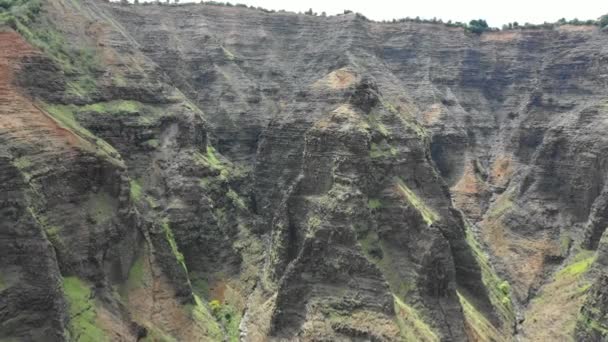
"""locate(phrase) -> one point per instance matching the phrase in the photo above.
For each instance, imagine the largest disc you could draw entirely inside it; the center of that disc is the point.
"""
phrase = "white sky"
(495, 12)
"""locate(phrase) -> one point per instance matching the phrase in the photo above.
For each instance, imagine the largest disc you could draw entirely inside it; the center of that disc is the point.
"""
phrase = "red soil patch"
(217, 291)
(21, 121)
(469, 192)
(502, 169)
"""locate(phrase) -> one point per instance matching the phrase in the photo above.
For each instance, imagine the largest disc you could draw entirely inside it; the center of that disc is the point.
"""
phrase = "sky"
(496, 13)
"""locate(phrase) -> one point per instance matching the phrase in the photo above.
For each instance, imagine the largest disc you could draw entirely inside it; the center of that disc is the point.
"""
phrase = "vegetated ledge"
(476, 26)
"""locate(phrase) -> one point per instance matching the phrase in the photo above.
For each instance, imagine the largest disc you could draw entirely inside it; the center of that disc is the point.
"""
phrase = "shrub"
(478, 26)
(603, 21)
(215, 306)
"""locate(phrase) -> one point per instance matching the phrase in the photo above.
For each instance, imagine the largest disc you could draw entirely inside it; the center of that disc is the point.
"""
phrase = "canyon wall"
(204, 172)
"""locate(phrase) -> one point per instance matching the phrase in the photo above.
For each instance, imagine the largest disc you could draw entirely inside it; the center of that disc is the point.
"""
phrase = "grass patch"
(382, 150)
(136, 274)
(101, 207)
(378, 254)
(82, 326)
(478, 323)
(15, 13)
(209, 159)
(564, 244)
(499, 290)
(376, 124)
(78, 64)
(199, 284)
(428, 214)
(501, 206)
(582, 261)
(205, 320)
(229, 55)
(157, 335)
(236, 199)
(117, 107)
(152, 143)
(412, 326)
(228, 317)
(22, 163)
(135, 190)
(64, 115)
(52, 234)
(408, 120)
(374, 203)
(554, 311)
(314, 222)
(174, 248)
(592, 326)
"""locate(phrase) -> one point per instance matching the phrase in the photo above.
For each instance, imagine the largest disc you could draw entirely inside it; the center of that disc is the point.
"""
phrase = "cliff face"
(204, 172)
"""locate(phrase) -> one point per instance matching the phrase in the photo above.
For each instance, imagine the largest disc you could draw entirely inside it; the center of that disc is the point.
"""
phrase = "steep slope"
(205, 172)
(507, 113)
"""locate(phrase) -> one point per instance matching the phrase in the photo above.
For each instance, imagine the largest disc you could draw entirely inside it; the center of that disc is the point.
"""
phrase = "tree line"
(476, 26)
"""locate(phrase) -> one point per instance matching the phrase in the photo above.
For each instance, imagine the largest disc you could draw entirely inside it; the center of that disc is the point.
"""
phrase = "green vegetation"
(210, 160)
(374, 203)
(225, 313)
(64, 115)
(229, 55)
(603, 21)
(199, 284)
(382, 150)
(407, 119)
(215, 306)
(157, 335)
(314, 222)
(559, 301)
(174, 248)
(78, 64)
(499, 290)
(135, 188)
(205, 320)
(136, 274)
(101, 207)
(236, 199)
(376, 124)
(582, 261)
(23, 162)
(113, 107)
(228, 317)
(83, 316)
(412, 326)
(564, 244)
(478, 26)
(371, 244)
(478, 322)
(52, 234)
(591, 325)
(377, 253)
(501, 206)
(152, 143)
(427, 213)
(18, 12)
